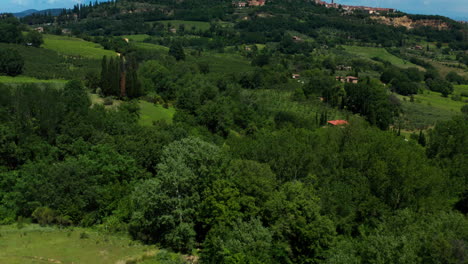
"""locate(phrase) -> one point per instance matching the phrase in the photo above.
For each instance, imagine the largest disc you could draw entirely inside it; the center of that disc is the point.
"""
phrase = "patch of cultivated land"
(150, 46)
(20, 80)
(223, 62)
(428, 108)
(137, 38)
(371, 52)
(281, 101)
(461, 88)
(27, 79)
(444, 69)
(35, 244)
(48, 64)
(70, 46)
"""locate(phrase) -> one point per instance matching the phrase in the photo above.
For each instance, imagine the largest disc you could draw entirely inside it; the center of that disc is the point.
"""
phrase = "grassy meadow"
(281, 101)
(223, 62)
(137, 38)
(26, 79)
(70, 46)
(34, 244)
(151, 47)
(371, 52)
(44, 63)
(151, 112)
(460, 88)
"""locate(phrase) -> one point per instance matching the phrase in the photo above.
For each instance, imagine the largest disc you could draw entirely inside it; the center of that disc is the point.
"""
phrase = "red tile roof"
(338, 122)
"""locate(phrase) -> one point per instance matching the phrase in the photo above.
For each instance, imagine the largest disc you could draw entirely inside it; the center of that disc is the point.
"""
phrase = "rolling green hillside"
(75, 47)
(428, 109)
(371, 52)
(43, 63)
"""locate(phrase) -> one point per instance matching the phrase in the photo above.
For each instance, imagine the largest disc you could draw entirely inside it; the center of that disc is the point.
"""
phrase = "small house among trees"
(239, 4)
(337, 122)
(344, 68)
(347, 79)
(257, 3)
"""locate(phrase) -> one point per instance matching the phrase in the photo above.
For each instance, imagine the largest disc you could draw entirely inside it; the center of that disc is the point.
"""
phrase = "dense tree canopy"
(11, 62)
(231, 139)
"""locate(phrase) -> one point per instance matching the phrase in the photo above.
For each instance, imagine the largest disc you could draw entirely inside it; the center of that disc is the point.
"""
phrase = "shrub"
(84, 235)
(464, 109)
(166, 257)
(34, 38)
(441, 86)
(99, 92)
(44, 216)
(11, 62)
(20, 222)
(456, 97)
(108, 101)
(63, 220)
(153, 98)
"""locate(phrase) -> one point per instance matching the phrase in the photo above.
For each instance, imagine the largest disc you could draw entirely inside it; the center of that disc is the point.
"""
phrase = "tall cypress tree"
(177, 51)
(133, 85)
(123, 78)
(111, 76)
(422, 139)
(104, 76)
(116, 77)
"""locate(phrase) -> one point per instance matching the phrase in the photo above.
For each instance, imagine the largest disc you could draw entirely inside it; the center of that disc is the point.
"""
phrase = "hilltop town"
(350, 8)
(346, 8)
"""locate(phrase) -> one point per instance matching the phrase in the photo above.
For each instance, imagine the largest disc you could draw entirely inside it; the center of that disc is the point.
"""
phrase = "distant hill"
(25, 13)
(55, 12)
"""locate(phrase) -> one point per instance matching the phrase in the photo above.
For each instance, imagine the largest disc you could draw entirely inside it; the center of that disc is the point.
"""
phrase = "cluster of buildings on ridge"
(241, 4)
(348, 8)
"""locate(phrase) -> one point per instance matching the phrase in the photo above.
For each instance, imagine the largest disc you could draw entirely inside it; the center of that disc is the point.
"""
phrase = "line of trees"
(119, 77)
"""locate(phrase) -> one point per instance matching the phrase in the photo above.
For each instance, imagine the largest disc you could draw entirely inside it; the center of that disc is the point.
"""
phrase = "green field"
(223, 62)
(137, 38)
(444, 70)
(19, 80)
(437, 101)
(151, 112)
(148, 112)
(370, 52)
(150, 46)
(70, 46)
(428, 108)
(188, 24)
(26, 79)
(48, 64)
(281, 101)
(34, 244)
(460, 88)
